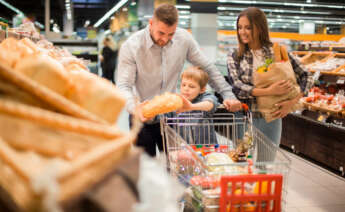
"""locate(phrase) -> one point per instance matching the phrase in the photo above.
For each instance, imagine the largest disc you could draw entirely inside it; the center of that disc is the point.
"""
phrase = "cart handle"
(245, 107)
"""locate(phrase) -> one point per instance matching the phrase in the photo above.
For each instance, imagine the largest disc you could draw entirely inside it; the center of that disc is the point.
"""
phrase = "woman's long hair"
(258, 24)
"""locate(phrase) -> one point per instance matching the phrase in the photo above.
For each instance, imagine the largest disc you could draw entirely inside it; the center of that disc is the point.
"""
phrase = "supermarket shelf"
(321, 141)
(324, 48)
(4, 34)
(69, 42)
(330, 73)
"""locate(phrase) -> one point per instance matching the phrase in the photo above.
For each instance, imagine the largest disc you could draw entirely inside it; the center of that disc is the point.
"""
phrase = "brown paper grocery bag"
(281, 70)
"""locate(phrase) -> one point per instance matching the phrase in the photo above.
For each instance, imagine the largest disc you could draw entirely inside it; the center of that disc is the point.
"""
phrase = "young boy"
(196, 126)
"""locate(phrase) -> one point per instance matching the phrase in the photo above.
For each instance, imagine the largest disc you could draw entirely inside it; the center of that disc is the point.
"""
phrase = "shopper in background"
(254, 47)
(108, 58)
(151, 61)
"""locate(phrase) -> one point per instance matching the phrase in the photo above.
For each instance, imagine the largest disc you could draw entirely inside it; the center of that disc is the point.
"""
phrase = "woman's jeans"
(272, 131)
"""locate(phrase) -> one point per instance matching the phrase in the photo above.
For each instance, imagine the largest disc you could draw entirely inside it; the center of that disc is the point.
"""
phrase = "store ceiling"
(83, 10)
(93, 10)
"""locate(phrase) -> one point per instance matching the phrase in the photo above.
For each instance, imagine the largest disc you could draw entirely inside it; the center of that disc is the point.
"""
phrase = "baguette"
(284, 53)
(46, 71)
(165, 103)
(96, 95)
(276, 51)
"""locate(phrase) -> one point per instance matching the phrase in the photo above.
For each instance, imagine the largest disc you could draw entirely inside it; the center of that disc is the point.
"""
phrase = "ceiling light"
(39, 24)
(87, 23)
(291, 4)
(183, 12)
(110, 12)
(11, 7)
(275, 10)
(184, 17)
(182, 6)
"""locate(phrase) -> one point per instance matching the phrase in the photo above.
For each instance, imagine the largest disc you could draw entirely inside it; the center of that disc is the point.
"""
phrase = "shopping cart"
(190, 142)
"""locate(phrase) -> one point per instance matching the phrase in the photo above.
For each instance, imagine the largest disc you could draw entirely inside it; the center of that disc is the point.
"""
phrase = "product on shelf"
(300, 54)
(328, 65)
(46, 71)
(51, 148)
(96, 95)
(315, 56)
(341, 71)
(64, 74)
(318, 99)
(26, 29)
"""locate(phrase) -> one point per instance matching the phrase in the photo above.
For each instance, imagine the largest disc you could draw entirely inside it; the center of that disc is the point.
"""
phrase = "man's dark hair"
(167, 14)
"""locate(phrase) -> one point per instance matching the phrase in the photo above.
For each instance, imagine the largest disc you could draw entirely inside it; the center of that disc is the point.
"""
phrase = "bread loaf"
(276, 51)
(284, 53)
(165, 103)
(280, 53)
(46, 71)
(95, 94)
(11, 51)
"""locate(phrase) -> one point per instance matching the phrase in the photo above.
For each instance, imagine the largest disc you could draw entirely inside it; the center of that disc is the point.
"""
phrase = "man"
(150, 63)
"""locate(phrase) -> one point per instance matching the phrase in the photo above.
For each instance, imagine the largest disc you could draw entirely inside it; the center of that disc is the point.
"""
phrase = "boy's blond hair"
(197, 74)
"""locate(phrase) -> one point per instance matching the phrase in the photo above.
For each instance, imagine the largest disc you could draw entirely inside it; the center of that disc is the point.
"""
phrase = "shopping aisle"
(313, 189)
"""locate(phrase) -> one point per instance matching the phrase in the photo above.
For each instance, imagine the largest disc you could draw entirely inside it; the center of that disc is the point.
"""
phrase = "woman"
(108, 59)
(254, 47)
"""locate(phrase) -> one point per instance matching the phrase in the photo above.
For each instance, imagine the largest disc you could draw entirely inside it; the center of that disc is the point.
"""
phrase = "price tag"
(322, 118)
(341, 81)
(306, 47)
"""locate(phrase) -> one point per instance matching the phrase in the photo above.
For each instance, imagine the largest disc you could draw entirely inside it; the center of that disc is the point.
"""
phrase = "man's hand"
(138, 112)
(232, 105)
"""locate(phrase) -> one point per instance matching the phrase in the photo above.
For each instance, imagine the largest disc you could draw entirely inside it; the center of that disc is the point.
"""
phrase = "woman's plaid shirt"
(240, 75)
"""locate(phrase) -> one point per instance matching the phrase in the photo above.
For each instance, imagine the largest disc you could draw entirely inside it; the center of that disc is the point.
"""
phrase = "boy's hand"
(187, 105)
(138, 112)
(232, 105)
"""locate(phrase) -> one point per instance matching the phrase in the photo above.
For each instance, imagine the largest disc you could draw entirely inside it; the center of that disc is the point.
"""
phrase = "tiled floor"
(313, 189)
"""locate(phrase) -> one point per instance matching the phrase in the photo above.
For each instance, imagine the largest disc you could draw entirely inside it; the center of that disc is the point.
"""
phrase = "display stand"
(318, 138)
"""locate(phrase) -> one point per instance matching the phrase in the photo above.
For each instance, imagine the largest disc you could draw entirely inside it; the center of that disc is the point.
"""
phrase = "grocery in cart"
(225, 163)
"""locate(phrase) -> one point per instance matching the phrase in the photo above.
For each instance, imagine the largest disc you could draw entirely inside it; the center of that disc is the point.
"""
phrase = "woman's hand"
(281, 87)
(285, 107)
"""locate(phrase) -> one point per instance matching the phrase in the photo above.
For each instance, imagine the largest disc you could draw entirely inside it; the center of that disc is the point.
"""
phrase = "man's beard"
(158, 42)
